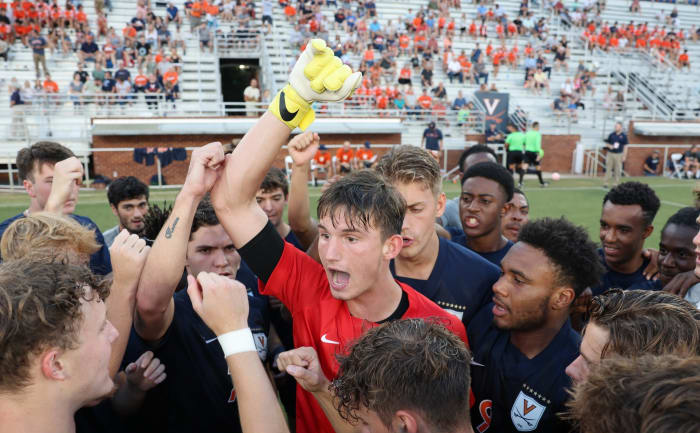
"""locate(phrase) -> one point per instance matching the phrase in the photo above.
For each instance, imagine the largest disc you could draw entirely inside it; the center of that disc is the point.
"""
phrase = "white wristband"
(237, 341)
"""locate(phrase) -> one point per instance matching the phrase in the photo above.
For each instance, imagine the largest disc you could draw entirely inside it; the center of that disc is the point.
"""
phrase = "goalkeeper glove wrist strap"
(292, 109)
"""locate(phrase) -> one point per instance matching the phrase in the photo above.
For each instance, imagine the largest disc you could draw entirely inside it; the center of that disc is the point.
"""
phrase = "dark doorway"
(235, 77)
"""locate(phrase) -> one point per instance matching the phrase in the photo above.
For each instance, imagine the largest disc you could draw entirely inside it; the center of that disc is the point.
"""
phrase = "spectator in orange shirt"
(365, 156)
(405, 75)
(425, 101)
(684, 60)
(322, 162)
(472, 30)
(50, 86)
(140, 82)
(170, 77)
(345, 158)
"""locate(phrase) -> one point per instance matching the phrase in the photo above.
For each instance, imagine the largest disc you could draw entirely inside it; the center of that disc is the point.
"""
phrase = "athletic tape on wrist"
(238, 341)
(292, 109)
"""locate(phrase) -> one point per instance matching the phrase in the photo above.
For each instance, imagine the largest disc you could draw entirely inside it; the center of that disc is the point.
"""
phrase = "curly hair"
(495, 172)
(41, 152)
(406, 364)
(473, 150)
(686, 217)
(40, 307)
(647, 394)
(411, 164)
(643, 321)
(275, 179)
(126, 188)
(47, 235)
(365, 199)
(635, 193)
(569, 248)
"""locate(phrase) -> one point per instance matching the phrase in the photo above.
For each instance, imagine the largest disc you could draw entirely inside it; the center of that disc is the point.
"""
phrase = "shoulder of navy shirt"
(100, 262)
(461, 281)
(495, 257)
(615, 280)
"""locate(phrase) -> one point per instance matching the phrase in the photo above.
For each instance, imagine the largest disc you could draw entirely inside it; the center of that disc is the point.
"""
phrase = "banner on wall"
(496, 105)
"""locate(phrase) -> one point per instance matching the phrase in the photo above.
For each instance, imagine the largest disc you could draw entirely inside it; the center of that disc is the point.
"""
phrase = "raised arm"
(165, 263)
(317, 76)
(302, 149)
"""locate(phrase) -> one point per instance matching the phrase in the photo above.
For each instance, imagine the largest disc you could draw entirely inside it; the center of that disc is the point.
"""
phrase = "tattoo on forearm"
(169, 230)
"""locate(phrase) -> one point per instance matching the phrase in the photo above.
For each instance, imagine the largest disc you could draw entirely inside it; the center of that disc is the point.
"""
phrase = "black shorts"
(531, 158)
(267, 18)
(344, 169)
(515, 157)
(404, 81)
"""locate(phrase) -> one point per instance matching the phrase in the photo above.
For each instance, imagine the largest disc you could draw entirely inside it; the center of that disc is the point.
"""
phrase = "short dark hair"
(126, 188)
(156, 217)
(367, 199)
(659, 394)
(644, 321)
(517, 190)
(40, 307)
(569, 248)
(635, 193)
(495, 172)
(406, 364)
(686, 217)
(204, 216)
(275, 179)
(41, 152)
(477, 148)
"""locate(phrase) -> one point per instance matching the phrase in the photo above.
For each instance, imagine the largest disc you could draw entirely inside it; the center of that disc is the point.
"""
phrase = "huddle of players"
(381, 260)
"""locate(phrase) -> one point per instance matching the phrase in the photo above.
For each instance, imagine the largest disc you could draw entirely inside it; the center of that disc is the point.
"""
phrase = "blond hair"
(46, 235)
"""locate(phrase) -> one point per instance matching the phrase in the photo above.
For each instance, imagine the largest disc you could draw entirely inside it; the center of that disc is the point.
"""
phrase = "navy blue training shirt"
(494, 257)
(197, 394)
(616, 280)
(514, 393)
(100, 262)
(461, 281)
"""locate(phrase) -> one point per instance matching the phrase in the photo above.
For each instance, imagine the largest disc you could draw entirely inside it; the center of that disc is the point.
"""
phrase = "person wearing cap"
(432, 141)
(365, 156)
(651, 164)
(322, 162)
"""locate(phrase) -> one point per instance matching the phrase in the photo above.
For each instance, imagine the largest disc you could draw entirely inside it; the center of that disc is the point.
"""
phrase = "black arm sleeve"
(263, 252)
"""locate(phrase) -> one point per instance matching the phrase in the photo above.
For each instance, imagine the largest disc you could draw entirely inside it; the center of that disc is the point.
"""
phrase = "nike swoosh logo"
(326, 340)
(284, 113)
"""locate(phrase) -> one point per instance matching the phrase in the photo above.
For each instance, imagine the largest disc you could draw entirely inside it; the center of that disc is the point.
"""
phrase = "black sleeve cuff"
(263, 252)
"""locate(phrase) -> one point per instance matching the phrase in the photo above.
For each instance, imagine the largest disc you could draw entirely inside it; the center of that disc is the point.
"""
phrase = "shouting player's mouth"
(471, 222)
(338, 279)
(499, 309)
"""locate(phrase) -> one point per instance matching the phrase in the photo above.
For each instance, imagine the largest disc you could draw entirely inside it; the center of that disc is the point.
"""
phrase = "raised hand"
(206, 166)
(318, 75)
(146, 372)
(128, 255)
(303, 147)
(67, 176)
(303, 365)
(220, 301)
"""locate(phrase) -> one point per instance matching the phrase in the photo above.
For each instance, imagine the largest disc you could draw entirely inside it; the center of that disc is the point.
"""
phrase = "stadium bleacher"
(649, 88)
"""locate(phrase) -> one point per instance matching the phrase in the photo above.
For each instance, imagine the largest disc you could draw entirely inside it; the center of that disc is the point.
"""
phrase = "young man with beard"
(625, 223)
(523, 341)
(487, 188)
(56, 344)
(128, 198)
(272, 198)
(517, 215)
(631, 323)
(198, 394)
(360, 219)
(51, 175)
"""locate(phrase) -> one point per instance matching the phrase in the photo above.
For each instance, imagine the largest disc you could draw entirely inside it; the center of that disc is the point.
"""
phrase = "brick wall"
(637, 156)
(115, 164)
(558, 151)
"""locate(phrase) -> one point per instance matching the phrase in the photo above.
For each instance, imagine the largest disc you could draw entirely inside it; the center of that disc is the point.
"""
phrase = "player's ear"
(52, 366)
(29, 187)
(114, 210)
(441, 201)
(563, 298)
(648, 231)
(392, 246)
(404, 421)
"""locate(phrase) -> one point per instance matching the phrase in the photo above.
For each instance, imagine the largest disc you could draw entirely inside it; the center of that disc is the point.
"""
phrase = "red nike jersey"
(324, 323)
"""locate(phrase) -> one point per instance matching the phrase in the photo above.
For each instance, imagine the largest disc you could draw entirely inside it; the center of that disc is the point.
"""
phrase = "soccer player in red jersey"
(360, 220)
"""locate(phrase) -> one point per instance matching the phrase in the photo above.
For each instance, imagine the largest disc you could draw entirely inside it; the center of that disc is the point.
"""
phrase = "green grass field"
(579, 200)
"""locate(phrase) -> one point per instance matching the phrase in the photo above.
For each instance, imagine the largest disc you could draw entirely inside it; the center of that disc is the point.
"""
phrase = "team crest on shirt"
(261, 344)
(526, 412)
